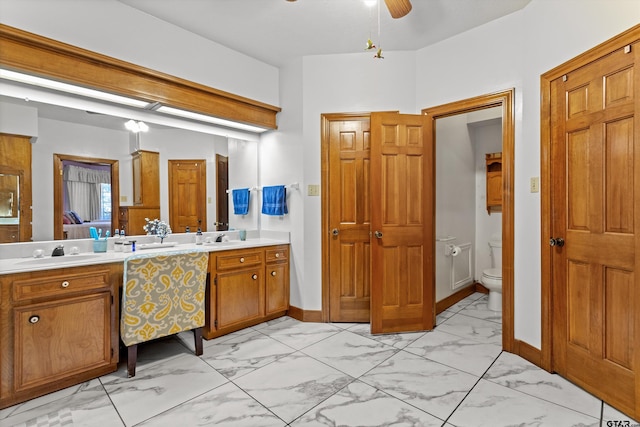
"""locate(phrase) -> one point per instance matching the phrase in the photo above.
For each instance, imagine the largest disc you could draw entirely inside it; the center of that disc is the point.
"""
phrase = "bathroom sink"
(59, 259)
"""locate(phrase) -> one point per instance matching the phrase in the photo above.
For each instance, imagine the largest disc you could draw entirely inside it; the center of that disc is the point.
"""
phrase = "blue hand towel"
(240, 201)
(274, 200)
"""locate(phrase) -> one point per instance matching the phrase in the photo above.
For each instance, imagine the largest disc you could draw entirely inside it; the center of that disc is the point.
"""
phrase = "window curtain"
(82, 187)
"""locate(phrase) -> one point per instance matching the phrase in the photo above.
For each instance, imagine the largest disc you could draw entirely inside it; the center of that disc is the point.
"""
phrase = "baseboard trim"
(527, 352)
(305, 315)
(455, 298)
(480, 288)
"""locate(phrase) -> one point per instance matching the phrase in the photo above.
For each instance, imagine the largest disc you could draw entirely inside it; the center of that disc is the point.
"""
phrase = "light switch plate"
(534, 184)
(313, 190)
(123, 199)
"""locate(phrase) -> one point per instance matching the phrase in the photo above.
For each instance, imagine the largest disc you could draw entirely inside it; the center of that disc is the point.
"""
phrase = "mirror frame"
(58, 208)
(33, 54)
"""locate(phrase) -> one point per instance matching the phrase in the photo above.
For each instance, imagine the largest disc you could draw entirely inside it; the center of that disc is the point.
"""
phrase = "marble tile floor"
(290, 373)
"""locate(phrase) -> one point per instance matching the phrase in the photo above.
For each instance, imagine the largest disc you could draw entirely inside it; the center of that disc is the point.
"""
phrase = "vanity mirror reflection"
(93, 140)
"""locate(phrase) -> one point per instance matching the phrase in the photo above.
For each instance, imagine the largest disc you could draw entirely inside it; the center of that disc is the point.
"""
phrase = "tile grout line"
(471, 389)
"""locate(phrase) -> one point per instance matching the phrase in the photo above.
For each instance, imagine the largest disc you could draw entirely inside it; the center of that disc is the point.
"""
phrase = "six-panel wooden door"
(349, 219)
(402, 221)
(595, 223)
(187, 194)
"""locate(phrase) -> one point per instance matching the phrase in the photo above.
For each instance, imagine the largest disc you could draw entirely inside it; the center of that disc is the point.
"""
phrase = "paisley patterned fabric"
(163, 294)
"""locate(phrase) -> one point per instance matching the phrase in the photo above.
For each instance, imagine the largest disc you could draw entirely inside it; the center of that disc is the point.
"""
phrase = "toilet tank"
(496, 253)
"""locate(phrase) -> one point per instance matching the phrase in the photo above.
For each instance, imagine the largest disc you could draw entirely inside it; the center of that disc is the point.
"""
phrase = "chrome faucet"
(58, 251)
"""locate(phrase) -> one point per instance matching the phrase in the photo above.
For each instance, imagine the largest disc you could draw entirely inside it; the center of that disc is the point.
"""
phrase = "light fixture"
(370, 3)
(136, 127)
(122, 100)
(209, 119)
(69, 88)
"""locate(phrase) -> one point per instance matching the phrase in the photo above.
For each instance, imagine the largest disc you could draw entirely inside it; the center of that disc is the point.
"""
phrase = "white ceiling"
(275, 31)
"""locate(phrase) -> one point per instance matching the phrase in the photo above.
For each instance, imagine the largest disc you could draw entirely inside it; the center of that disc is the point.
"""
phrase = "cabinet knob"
(254, 277)
(277, 255)
(241, 259)
(273, 273)
(34, 319)
(65, 284)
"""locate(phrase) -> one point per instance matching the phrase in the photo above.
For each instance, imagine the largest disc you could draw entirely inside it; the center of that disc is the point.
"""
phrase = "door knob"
(378, 234)
(556, 241)
(335, 231)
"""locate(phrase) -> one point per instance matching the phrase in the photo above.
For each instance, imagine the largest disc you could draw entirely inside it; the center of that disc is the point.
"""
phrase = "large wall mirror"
(92, 143)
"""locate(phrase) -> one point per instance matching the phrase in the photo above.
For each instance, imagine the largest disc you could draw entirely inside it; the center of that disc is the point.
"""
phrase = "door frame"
(505, 100)
(617, 42)
(58, 232)
(222, 194)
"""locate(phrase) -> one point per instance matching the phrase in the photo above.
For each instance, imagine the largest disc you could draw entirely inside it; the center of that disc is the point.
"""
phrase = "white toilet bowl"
(492, 280)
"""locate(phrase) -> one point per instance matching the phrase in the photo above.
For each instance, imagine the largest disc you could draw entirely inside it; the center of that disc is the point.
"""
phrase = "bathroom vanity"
(60, 317)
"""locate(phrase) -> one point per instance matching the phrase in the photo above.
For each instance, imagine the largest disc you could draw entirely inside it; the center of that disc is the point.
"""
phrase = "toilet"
(492, 277)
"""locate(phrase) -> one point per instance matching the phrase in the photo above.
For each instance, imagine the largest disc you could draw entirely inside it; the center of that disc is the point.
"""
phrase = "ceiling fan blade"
(398, 8)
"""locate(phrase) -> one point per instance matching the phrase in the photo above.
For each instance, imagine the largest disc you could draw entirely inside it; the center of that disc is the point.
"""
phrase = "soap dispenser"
(199, 237)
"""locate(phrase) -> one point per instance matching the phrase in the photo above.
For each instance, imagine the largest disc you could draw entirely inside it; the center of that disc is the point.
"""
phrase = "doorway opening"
(109, 204)
(504, 101)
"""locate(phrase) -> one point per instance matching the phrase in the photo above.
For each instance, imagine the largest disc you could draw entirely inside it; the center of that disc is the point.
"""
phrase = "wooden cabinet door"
(57, 339)
(494, 189)
(403, 220)
(240, 296)
(277, 288)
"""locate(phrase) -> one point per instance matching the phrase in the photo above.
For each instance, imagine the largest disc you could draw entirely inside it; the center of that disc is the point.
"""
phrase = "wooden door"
(222, 197)
(187, 193)
(349, 220)
(595, 170)
(402, 220)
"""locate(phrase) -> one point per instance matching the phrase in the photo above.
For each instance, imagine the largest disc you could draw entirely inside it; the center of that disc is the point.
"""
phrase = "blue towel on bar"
(274, 200)
(240, 201)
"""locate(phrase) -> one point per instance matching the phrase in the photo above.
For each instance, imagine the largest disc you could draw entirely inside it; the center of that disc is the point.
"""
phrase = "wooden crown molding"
(33, 54)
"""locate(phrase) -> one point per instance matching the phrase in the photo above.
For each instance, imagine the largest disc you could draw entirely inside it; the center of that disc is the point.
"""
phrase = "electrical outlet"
(534, 184)
(313, 190)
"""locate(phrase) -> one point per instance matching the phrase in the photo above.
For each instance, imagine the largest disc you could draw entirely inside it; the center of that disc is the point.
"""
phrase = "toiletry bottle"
(199, 237)
(187, 229)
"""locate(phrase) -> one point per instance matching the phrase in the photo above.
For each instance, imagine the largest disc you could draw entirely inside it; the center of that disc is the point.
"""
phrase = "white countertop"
(24, 264)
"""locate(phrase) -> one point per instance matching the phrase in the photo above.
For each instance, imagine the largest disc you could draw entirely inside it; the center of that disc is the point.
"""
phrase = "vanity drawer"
(279, 253)
(239, 259)
(60, 285)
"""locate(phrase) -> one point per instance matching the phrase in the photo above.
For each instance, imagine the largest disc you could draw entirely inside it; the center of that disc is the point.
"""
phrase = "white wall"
(282, 162)
(487, 138)
(243, 173)
(455, 194)
(118, 30)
